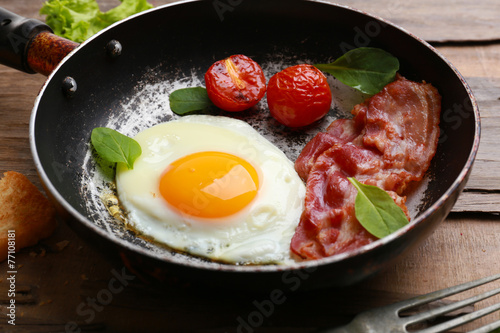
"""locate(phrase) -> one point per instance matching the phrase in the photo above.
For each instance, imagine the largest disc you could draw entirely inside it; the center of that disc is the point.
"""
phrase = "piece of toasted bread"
(25, 210)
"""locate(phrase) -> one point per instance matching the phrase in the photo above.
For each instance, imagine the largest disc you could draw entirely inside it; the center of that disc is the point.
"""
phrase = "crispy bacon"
(389, 143)
(339, 132)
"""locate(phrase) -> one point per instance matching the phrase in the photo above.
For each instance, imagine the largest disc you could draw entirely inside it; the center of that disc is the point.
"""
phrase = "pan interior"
(172, 47)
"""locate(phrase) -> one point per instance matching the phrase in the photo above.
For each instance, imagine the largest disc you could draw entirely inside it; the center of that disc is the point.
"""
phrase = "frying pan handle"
(29, 45)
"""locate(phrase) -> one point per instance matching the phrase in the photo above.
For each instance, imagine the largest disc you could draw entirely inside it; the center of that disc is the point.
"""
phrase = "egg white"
(258, 234)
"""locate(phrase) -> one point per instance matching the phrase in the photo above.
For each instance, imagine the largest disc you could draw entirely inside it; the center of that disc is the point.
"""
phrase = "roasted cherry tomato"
(298, 95)
(235, 83)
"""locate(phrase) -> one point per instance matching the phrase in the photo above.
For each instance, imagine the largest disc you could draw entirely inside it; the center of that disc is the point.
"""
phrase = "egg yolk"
(209, 184)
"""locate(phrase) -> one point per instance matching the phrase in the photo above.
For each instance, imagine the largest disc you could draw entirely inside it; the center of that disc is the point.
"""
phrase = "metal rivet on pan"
(69, 86)
(114, 48)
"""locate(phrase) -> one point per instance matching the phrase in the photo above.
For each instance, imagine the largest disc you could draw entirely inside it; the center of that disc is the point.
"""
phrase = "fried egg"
(213, 187)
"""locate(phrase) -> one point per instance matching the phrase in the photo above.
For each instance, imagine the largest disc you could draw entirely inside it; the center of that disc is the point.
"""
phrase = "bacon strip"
(389, 143)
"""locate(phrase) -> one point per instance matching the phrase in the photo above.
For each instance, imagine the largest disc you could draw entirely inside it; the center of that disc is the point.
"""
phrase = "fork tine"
(462, 320)
(451, 307)
(433, 296)
(388, 318)
(488, 328)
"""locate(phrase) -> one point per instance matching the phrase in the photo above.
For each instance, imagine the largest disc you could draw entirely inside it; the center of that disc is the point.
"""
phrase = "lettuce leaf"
(79, 19)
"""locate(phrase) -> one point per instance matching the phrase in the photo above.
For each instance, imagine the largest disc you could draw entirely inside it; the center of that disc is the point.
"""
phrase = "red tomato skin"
(235, 83)
(299, 95)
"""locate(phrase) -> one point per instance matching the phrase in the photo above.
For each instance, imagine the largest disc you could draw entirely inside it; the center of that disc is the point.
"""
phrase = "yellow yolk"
(209, 184)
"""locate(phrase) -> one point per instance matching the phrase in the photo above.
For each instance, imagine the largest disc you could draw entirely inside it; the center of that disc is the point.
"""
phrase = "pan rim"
(216, 266)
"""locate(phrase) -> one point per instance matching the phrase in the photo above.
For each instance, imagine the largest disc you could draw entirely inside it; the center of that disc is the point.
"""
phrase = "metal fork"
(388, 319)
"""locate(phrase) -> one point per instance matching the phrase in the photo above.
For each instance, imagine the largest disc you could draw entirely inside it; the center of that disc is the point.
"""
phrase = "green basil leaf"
(114, 146)
(376, 210)
(187, 100)
(366, 69)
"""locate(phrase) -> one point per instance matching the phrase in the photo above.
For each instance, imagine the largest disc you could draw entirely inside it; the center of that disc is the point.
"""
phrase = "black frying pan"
(124, 68)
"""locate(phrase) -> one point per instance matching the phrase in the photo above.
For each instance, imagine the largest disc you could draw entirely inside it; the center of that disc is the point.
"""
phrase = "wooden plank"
(486, 171)
(16, 102)
(438, 21)
(478, 65)
(478, 201)
(474, 60)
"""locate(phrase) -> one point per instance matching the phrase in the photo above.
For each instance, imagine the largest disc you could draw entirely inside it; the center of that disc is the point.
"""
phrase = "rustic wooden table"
(61, 280)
